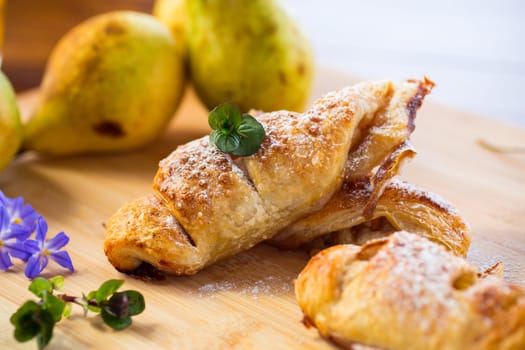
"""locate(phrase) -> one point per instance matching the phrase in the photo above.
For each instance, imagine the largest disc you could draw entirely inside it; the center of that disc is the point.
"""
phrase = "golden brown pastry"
(207, 205)
(405, 292)
(375, 206)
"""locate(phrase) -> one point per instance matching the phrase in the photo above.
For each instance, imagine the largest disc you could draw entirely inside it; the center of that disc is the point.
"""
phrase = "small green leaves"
(33, 320)
(107, 288)
(136, 303)
(40, 285)
(37, 319)
(54, 305)
(233, 132)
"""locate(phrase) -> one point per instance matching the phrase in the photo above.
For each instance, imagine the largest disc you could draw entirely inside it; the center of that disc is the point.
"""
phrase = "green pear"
(173, 14)
(111, 84)
(248, 52)
(10, 124)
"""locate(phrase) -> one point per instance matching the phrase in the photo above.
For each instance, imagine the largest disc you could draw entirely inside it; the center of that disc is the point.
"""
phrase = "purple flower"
(22, 216)
(41, 250)
(10, 243)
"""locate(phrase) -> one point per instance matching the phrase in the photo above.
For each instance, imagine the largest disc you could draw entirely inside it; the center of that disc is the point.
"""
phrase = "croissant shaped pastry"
(208, 205)
(375, 206)
(406, 292)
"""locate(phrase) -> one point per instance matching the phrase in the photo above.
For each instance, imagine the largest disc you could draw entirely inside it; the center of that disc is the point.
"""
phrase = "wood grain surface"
(246, 302)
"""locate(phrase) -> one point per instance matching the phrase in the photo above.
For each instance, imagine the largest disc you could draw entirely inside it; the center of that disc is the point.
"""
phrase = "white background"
(473, 50)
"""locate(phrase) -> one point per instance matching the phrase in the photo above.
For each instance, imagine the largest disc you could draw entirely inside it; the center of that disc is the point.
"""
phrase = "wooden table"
(247, 302)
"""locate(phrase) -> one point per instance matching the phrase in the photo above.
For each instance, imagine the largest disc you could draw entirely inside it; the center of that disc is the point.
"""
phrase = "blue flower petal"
(41, 230)
(4, 222)
(57, 242)
(31, 246)
(19, 232)
(62, 258)
(5, 261)
(17, 250)
(35, 265)
(3, 198)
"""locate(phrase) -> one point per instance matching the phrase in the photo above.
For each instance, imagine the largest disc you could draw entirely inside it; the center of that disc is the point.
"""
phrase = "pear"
(111, 84)
(10, 124)
(173, 14)
(248, 52)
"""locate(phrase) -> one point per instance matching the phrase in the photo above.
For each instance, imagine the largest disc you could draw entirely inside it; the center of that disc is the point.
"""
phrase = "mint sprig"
(38, 319)
(234, 132)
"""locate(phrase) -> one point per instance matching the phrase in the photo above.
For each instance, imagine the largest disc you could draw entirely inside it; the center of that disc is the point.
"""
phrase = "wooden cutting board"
(247, 301)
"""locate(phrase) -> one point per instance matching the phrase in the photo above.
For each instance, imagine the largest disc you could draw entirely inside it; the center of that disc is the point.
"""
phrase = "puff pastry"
(375, 206)
(406, 292)
(207, 205)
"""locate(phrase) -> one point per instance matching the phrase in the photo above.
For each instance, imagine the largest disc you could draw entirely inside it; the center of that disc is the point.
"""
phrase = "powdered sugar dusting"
(429, 196)
(269, 286)
(416, 276)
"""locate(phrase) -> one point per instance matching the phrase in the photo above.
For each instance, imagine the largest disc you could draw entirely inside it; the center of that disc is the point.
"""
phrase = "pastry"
(404, 292)
(375, 206)
(207, 205)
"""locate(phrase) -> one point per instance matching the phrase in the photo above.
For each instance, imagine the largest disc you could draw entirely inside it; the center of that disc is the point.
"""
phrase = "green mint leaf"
(252, 135)
(225, 118)
(57, 282)
(114, 321)
(25, 327)
(136, 303)
(107, 288)
(40, 285)
(53, 305)
(225, 142)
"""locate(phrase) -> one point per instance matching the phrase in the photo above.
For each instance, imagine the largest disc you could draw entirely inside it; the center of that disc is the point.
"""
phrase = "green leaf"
(57, 282)
(25, 327)
(46, 329)
(107, 288)
(93, 308)
(136, 303)
(67, 310)
(53, 305)
(30, 321)
(40, 285)
(117, 305)
(252, 135)
(225, 117)
(226, 143)
(114, 321)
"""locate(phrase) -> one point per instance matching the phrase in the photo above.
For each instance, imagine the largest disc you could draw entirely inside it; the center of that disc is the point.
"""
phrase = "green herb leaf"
(107, 288)
(67, 310)
(53, 305)
(233, 132)
(38, 319)
(136, 303)
(46, 328)
(30, 321)
(57, 282)
(252, 135)
(225, 118)
(117, 305)
(225, 142)
(40, 285)
(25, 327)
(114, 321)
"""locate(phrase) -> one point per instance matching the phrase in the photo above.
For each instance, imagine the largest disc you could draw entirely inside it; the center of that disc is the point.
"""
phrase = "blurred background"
(473, 50)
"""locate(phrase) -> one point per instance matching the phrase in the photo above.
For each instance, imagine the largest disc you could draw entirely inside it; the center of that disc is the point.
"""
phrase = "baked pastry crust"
(207, 205)
(406, 292)
(375, 206)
